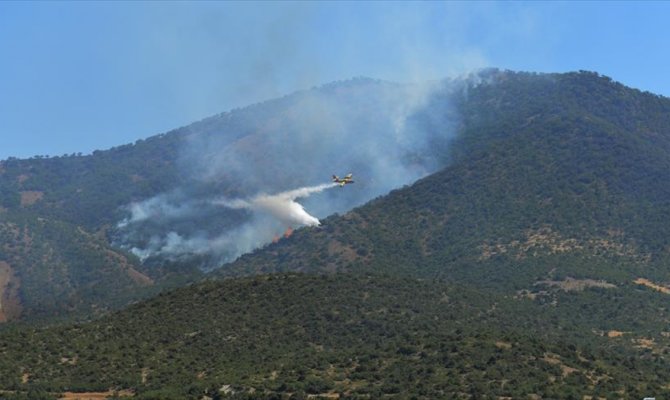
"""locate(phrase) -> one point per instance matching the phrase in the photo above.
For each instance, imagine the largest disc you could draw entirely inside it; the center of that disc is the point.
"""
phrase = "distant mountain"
(534, 264)
(547, 176)
(153, 203)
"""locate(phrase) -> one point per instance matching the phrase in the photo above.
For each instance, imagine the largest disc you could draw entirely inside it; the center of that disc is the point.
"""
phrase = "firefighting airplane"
(343, 181)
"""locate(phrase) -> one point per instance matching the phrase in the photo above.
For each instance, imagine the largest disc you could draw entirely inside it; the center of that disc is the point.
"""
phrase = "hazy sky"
(80, 76)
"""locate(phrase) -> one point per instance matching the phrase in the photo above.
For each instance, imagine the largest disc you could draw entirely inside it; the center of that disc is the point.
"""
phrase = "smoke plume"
(388, 135)
(282, 205)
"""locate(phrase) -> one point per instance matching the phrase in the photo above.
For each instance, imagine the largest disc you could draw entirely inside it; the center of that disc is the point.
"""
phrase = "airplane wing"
(343, 181)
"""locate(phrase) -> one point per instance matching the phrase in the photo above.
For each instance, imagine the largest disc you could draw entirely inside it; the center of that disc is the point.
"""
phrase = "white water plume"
(282, 205)
(389, 135)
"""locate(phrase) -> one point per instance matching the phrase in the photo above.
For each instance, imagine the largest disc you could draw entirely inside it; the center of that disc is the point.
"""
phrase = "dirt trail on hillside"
(650, 284)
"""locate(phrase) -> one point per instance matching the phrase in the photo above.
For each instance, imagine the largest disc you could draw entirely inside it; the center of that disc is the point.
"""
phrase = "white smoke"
(388, 135)
(282, 205)
(158, 207)
(271, 214)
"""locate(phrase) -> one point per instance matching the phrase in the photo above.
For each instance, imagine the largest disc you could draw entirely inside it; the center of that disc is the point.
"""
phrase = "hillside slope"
(534, 265)
(180, 172)
(552, 176)
(344, 336)
(548, 176)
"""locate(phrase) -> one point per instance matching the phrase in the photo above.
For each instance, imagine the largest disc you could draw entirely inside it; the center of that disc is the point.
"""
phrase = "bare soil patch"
(30, 197)
(503, 345)
(644, 343)
(555, 359)
(650, 284)
(10, 306)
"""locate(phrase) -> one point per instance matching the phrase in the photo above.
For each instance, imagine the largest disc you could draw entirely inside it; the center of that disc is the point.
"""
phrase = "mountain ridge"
(89, 195)
(533, 265)
(568, 175)
(561, 125)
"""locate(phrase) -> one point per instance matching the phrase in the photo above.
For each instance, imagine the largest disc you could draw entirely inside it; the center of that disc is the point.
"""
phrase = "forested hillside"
(557, 164)
(67, 247)
(351, 336)
(533, 266)
(54, 217)
(551, 176)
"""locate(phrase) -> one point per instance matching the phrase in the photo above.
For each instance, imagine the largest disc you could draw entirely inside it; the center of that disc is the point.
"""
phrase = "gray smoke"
(388, 135)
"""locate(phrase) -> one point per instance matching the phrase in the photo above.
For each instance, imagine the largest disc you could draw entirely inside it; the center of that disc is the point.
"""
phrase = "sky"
(80, 76)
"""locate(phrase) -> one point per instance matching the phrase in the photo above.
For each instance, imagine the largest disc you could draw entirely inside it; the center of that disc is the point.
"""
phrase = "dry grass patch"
(503, 345)
(96, 395)
(644, 343)
(615, 334)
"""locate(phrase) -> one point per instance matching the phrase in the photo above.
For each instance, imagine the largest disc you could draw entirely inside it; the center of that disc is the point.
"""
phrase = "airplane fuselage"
(343, 181)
